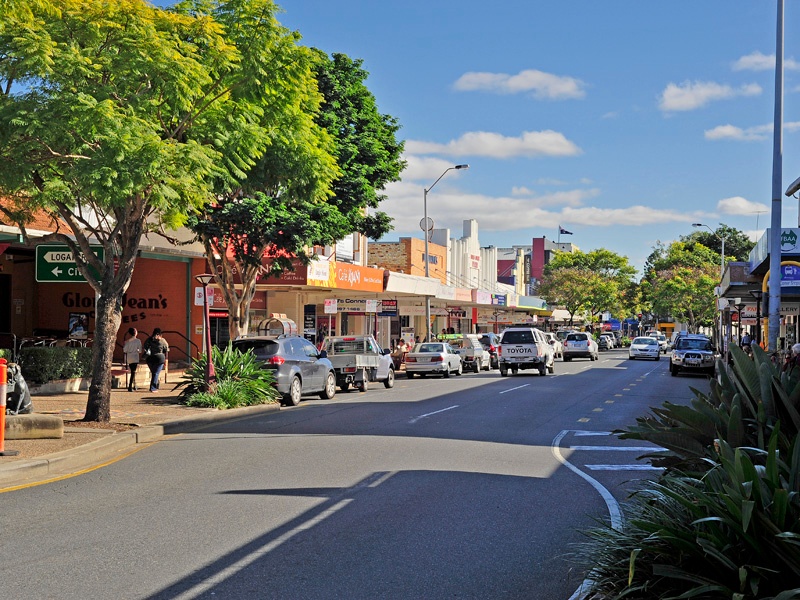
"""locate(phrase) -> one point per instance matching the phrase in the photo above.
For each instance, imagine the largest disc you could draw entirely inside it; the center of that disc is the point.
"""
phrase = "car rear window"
(517, 337)
(259, 347)
(577, 337)
(429, 348)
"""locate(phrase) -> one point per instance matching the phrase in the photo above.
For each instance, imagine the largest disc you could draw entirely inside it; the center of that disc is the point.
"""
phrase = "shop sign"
(446, 292)
(474, 261)
(481, 297)
(419, 311)
(331, 306)
(363, 305)
(388, 308)
(499, 299)
(463, 295)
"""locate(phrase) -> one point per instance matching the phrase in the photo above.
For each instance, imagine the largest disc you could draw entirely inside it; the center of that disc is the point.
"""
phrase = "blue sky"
(623, 122)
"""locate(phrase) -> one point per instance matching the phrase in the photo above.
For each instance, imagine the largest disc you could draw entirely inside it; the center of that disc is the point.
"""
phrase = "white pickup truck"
(525, 348)
(357, 360)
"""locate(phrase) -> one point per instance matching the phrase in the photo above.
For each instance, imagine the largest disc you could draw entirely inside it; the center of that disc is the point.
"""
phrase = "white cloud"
(540, 85)
(495, 145)
(749, 134)
(756, 61)
(740, 206)
(694, 95)
(631, 215)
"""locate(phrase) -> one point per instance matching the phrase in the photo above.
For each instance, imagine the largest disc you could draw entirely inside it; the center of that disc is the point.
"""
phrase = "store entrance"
(220, 335)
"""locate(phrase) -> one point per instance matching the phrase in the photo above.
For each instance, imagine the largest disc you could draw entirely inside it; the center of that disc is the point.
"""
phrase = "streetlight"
(427, 226)
(758, 294)
(739, 305)
(211, 375)
(721, 239)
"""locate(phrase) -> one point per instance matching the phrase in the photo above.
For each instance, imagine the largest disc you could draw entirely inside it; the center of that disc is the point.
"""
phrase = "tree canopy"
(120, 118)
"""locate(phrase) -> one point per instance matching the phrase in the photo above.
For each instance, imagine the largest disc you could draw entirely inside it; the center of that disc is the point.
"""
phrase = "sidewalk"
(136, 417)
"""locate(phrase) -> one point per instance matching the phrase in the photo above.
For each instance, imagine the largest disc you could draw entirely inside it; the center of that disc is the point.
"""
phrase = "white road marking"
(436, 412)
(519, 387)
(623, 468)
(620, 448)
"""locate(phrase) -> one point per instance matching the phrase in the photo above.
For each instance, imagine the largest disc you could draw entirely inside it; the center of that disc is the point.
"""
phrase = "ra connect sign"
(56, 263)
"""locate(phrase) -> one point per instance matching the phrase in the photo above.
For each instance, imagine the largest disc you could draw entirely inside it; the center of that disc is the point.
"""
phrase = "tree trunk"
(108, 317)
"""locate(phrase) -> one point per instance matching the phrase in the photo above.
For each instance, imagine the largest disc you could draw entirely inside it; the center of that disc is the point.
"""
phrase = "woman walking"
(132, 349)
(155, 351)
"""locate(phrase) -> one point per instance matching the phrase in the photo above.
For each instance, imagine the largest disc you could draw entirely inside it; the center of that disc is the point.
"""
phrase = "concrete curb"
(115, 445)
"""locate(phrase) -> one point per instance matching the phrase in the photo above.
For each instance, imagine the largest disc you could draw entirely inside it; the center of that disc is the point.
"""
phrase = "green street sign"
(56, 264)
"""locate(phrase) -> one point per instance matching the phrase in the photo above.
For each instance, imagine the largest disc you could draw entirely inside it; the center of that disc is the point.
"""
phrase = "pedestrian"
(155, 351)
(793, 360)
(132, 348)
(746, 340)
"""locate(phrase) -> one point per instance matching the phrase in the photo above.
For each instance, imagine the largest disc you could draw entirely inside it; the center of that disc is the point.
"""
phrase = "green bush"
(42, 364)
(241, 380)
(723, 521)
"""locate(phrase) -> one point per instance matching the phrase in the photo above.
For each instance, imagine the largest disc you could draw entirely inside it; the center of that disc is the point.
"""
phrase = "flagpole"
(558, 240)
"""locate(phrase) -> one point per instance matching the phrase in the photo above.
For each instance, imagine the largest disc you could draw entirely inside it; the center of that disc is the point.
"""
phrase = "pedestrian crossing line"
(583, 420)
(619, 448)
(591, 433)
(618, 395)
(597, 410)
(610, 401)
(623, 468)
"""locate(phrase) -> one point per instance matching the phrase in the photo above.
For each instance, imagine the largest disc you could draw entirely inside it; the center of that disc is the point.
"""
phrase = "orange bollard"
(3, 394)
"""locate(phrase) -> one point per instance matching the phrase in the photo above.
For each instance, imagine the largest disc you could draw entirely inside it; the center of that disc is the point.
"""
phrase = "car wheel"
(446, 372)
(478, 366)
(460, 369)
(542, 369)
(330, 387)
(410, 375)
(567, 358)
(389, 381)
(503, 372)
(295, 392)
(345, 386)
(514, 370)
(673, 371)
(488, 367)
(363, 386)
(658, 357)
(630, 357)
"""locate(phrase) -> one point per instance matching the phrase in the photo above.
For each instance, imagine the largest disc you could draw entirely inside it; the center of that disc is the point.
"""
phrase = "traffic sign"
(56, 263)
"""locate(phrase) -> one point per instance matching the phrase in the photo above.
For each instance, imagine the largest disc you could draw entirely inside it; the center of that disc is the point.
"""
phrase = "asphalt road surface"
(476, 486)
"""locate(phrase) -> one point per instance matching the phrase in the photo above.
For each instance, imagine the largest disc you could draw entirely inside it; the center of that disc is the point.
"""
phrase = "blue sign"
(790, 276)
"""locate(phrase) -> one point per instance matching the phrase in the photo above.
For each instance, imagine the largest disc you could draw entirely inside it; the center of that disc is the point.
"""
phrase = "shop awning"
(402, 283)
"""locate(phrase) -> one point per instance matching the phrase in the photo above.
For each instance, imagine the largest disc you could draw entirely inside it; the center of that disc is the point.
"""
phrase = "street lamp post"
(210, 375)
(757, 294)
(427, 227)
(739, 305)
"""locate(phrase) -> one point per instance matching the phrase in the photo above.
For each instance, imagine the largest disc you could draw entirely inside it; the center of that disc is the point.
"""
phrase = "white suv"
(525, 348)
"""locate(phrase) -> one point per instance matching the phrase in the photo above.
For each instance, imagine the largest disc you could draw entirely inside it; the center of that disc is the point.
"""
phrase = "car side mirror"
(386, 351)
(323, 354)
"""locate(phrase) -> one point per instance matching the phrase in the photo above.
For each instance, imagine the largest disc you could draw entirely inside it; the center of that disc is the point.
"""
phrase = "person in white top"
(132, 349)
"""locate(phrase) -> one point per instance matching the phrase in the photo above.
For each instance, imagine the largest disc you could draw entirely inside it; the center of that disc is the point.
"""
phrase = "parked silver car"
(300, 369)
(433, 358)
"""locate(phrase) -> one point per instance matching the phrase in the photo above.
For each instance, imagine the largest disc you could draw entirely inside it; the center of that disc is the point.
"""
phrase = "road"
(470, 487)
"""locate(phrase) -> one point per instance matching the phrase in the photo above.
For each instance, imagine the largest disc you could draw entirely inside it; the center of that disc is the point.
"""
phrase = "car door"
(453, 357)
(316, 369)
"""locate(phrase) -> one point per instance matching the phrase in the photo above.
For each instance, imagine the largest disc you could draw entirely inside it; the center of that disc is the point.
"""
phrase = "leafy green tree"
(312, 188)
(119, 118)
(680, 281)
(566, 287)
(737, 244)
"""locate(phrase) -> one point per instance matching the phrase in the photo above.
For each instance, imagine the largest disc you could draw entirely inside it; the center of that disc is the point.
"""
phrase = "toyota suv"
(525, 348)
(692, 354)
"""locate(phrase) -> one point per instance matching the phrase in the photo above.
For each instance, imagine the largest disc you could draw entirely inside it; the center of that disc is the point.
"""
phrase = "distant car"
(611, 340)
(491, 341)
(663, 342)
(603, 343)
(644, 347)
(300, 369)
(433, 358)
(693, 353)
(580, 344)
(558, 346)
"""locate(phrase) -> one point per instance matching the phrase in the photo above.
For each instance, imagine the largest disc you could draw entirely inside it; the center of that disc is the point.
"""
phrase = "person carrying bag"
(132, 349)
(155, 351)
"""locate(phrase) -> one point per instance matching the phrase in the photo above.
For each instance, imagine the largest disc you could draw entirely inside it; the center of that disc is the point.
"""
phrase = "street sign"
(56, 263)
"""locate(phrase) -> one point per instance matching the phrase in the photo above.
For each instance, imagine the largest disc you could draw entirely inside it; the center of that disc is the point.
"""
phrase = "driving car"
(580, 344)
(609, 339)
(663, 342)
(525, 348)
(558, 346)
(299, 368)
(433, 358)
(644, 347)
(693, 353)
(473, 354)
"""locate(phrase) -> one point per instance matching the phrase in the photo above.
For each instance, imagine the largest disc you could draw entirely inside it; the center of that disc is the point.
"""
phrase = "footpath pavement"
(138, 417)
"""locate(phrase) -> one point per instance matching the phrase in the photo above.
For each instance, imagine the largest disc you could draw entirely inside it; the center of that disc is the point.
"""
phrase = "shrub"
(723, 521)
(41, 364)
(241, 380)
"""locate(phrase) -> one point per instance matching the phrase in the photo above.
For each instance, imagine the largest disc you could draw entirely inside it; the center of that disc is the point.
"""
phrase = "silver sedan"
(435, 358)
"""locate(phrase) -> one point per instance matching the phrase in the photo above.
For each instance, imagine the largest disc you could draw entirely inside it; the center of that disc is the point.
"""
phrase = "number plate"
(692, 361)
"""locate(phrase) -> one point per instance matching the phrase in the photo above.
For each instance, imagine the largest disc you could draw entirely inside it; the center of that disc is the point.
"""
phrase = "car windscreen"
(645, 341)
(259, 347)
(517, 337)
(684, 344)
(429, 348)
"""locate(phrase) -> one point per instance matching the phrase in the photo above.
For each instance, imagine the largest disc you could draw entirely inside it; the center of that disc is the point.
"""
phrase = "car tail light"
(437, 359)
(349, 369)
(410, 359)
(276, 360)
(499, 350)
